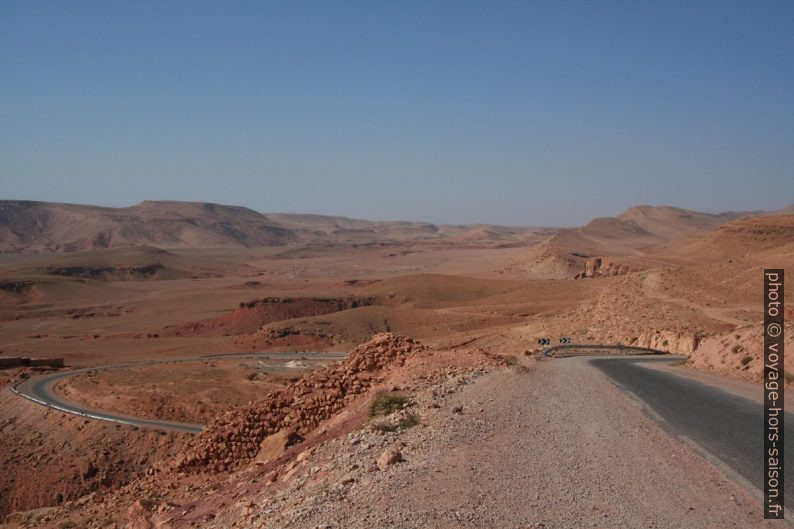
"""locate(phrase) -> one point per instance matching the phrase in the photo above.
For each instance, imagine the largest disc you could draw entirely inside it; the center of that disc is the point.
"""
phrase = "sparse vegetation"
(386, 403)
(409, 421)
(461, 316)
(510, 359)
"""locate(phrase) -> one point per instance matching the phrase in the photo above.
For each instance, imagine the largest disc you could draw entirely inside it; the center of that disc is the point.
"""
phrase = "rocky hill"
(624, 241)
(44, 226)
(746, 236)
(27, 226)
(646, 225)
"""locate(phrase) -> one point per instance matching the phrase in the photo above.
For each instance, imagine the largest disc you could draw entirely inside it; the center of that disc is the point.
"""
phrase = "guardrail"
(145, 423)
(67, 410)
(86, 415)
(594, 349)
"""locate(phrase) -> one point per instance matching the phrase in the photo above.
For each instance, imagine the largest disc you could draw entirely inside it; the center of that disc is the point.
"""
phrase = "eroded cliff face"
(672, 341)
(737, 353)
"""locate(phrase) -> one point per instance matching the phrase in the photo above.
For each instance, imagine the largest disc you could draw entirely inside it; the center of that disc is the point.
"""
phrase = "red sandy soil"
(252, 315)
(385, 362)
(234, 437)
(664, 281)
(190, 392)
(484, 449)
(50, 457)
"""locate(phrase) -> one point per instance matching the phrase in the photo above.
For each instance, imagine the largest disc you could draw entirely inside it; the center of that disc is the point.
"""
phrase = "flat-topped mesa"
(236, 436)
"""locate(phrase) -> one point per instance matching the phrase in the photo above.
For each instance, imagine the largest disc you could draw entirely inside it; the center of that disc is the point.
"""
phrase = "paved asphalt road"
(40, 389)
(728, 427)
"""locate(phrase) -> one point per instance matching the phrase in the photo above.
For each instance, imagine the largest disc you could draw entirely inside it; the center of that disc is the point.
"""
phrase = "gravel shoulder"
(552, 444)
(558, 446)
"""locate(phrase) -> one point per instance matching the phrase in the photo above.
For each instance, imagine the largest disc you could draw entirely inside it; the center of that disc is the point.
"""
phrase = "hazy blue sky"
(506, 112)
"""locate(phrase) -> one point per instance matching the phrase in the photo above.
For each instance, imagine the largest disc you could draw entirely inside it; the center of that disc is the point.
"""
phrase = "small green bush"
(409, 421)
(386, 403)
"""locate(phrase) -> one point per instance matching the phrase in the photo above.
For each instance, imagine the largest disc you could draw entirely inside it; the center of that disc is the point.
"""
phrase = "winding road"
(41, 390)
(726, 427)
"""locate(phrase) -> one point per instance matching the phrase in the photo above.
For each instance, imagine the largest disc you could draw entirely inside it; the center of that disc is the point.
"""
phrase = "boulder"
(274, 445)
(389, 457)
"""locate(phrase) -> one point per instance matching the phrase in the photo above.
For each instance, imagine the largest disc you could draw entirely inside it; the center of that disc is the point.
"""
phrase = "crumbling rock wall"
(236, 436)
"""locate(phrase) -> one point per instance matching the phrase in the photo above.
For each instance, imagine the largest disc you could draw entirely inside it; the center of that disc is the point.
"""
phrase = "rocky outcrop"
(597, 267)
(389, 457)
(275, 445)
(237, 436)
(739, 353)
(252, 316)
(674, 342)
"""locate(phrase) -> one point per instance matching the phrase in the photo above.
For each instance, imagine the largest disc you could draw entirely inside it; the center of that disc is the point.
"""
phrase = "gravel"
(557, 446)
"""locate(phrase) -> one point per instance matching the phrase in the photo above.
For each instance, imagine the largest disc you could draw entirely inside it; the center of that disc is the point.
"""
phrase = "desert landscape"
(396, 265)
(276, 335)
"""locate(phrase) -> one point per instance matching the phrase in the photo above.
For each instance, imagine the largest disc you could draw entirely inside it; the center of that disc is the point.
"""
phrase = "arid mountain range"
(166, 281)
(31, 226)
(53, 227)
